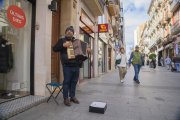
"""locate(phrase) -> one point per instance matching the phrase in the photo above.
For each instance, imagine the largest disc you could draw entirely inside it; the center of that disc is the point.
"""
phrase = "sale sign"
(16, 16)
(102, 28)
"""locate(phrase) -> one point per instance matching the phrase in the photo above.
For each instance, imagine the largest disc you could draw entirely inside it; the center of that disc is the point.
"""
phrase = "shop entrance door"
(55, 62)
(109, 58)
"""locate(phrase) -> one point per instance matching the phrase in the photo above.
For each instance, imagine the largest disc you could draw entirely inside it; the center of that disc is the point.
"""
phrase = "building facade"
(157, 32)
(175, 29)
(31, 29)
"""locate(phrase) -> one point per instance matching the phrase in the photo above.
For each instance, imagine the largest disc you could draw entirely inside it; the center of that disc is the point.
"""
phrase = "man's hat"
(70, 28)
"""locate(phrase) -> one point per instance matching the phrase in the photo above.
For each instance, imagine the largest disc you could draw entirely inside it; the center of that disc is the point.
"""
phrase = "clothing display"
(6, 56)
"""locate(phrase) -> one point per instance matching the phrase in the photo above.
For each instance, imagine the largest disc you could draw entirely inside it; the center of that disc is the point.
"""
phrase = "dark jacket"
(6, 58)
(63, 53)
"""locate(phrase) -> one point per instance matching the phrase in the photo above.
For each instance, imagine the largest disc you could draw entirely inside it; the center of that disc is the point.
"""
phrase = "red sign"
(16, 16)
(102, 28)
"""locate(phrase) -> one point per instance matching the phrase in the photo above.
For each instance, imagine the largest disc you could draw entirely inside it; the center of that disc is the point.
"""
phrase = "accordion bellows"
(77, 50)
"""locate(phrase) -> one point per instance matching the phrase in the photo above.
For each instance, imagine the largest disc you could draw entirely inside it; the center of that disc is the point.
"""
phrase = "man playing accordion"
(72, 58)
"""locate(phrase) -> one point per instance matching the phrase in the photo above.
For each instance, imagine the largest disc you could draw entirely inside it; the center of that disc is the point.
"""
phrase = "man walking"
(168, 62)
(136, 60)
(71, 67)
(162, 61)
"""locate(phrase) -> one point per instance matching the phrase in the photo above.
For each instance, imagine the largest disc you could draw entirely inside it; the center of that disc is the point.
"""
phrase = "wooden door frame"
(58, 55)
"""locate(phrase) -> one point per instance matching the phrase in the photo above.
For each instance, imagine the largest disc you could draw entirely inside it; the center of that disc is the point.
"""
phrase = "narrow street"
(156, 98)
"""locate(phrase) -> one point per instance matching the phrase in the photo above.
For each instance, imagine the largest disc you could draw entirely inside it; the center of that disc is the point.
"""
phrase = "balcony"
(163, 22)
(113, 9)
(159, 4)
(96, 6)
(115, 25)
(117, 11)
(175, 5)
(175, 28)
(168, 16)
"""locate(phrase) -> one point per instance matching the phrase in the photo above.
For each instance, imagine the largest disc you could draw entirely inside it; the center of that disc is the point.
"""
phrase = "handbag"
(118, 61)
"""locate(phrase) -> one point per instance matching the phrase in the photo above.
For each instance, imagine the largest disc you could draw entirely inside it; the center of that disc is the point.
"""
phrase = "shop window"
(15, 41)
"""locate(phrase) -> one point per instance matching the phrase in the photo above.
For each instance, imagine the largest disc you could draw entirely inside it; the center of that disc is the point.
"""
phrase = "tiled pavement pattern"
(11, 108)
(156, 98)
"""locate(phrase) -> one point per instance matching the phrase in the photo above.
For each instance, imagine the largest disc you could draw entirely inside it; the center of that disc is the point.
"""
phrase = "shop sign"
(87, 21)
(16, 16)
(102, 28)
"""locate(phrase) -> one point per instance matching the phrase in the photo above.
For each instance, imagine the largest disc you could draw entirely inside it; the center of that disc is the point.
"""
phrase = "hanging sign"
(16, 16)
(102, 28)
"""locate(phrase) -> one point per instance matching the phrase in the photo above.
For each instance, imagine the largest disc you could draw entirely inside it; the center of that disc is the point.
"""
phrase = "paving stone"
(156, 98)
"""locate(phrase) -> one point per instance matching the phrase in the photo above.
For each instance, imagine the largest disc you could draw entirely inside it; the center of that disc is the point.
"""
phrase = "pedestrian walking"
(122, 64)
(154, 62)
(162, 61)
(168, 62)
(136, 60)
(71, 67)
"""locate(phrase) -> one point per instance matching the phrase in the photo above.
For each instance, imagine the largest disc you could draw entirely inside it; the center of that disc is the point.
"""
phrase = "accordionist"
(72, 53)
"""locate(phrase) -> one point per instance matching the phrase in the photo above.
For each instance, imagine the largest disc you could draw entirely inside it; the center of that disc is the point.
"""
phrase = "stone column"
(42, 47)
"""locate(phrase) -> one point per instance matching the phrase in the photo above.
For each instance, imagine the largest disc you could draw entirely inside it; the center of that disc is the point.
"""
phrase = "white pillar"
(95, 53)
(42, 65)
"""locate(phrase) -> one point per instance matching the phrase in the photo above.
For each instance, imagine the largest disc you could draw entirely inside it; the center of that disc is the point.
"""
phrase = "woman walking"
(121, 61)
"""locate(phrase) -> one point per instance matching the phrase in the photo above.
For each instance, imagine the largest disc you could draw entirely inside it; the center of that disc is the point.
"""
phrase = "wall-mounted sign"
(86, 20)
(16, 16)
(102, 28)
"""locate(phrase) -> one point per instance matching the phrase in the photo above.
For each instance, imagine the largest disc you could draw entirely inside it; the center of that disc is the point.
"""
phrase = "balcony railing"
(175, 28)
(101, 2)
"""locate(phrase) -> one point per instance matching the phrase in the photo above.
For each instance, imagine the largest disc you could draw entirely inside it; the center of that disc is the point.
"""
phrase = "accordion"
(77, 50)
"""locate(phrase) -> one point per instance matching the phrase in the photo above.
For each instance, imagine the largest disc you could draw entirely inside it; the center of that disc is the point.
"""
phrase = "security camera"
(53, 6)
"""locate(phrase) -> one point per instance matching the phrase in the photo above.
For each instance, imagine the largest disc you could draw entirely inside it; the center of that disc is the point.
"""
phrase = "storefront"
(101, 57)
(87, 35)
(16, 48)
(177, 47)
(109, 57)
(160, 55)
(169, 50)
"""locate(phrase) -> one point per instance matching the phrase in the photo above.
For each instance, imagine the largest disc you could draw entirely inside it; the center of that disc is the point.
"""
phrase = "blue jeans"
(137, 68)
(71, 76)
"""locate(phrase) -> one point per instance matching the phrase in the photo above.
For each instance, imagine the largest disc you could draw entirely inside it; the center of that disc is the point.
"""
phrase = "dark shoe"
(137, 81)
(67, 102)
(74, 100)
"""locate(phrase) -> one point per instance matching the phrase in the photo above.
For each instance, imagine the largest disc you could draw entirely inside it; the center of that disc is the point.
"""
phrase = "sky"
(135, 13)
